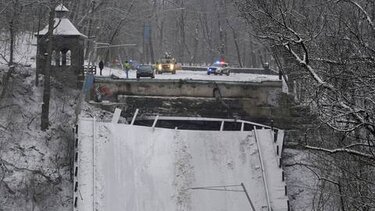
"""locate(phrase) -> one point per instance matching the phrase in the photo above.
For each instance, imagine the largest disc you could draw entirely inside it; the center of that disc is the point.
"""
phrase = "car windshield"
(165, 61)
(145, 67)
(219, 65)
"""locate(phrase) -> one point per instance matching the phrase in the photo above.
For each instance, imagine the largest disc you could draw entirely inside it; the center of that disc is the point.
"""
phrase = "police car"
(218, 68)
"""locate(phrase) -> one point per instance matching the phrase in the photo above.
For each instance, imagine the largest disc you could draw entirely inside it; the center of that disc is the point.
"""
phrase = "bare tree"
(47, 70)
(12, 13)
(328, 52)
(193, 31)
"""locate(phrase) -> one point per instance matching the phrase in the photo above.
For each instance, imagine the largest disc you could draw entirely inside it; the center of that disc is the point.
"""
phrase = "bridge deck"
(126, 167)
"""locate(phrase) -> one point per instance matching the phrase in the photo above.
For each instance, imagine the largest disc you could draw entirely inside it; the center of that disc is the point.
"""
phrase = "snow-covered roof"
(61, 8)
(64, 27)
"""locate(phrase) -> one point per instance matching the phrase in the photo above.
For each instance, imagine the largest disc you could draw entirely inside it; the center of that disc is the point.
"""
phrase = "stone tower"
(68, 49)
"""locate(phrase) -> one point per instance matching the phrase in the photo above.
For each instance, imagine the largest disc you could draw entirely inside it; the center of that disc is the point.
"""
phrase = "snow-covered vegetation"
(35, 164)
(327, 50)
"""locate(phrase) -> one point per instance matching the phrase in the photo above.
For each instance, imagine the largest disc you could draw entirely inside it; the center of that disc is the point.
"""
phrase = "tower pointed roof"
(62, 25)
(61, 8)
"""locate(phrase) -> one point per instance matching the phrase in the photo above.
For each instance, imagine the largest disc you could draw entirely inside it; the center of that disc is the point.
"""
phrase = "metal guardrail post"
(93, 164)
(264, 175)
(75, 167)
(155, 121)
(222, 126)
(135, 116)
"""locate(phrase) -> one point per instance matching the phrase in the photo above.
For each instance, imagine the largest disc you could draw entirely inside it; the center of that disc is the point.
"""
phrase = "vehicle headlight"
(172, 66)
(159, 67)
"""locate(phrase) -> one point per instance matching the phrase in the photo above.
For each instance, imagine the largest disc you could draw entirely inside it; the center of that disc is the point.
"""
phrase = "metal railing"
(89, 69)
(174, 118)
(264, 174)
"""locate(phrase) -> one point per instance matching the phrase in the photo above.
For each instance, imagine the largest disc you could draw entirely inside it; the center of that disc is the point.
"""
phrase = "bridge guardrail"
(89, 69)
(264, 71)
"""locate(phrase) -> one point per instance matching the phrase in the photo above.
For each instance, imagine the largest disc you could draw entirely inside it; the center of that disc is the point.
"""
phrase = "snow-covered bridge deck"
(129, 167)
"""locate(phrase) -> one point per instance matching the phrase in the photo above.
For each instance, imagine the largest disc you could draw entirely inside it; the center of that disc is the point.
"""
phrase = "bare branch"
(308, 67)
(37, 172)
(368, 18)
(341, 150)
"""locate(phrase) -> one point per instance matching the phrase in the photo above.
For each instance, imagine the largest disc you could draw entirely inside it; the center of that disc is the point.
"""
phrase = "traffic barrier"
(277, 150)
(264, 71)
(75, 202)
(75, 181)
(275, 136)
(286, 190)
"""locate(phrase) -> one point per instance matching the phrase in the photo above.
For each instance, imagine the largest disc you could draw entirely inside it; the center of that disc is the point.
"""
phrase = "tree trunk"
(235, 38)
(221, 31)
(342, 203)
(37, 53)
(47, 72)
(161, 34)
(206, 36)
(12, 33)
(151, 48)
(193, 57)
(117, 30)
(182, 34)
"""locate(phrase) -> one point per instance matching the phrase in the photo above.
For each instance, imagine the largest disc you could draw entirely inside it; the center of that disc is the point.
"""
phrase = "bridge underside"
(254, 101)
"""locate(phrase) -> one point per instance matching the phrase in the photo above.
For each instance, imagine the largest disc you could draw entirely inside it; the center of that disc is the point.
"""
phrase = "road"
(196, 75)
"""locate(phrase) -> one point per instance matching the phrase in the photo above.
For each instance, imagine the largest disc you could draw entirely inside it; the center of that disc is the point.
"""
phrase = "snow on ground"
(143, 168)
(35, 164)
(194, 75)
(24, 51)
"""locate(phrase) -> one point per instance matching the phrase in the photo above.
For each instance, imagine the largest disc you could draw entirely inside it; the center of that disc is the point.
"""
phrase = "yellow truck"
(167, 65)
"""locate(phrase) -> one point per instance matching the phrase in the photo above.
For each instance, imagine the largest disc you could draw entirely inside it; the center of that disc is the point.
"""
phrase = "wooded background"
(326, 48)
(194, 31)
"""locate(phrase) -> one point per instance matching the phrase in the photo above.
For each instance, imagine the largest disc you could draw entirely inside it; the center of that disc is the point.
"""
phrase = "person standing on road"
(127, 68)
(101, 66)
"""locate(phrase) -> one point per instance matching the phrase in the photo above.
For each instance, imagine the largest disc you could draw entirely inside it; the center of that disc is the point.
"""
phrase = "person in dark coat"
(101, 66)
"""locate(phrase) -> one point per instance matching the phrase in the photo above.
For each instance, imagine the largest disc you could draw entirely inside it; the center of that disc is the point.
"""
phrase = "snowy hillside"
(35, 165)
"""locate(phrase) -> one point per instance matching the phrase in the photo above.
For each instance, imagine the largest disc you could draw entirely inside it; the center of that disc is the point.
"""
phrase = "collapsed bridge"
(251, 100)
(186, 139)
